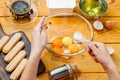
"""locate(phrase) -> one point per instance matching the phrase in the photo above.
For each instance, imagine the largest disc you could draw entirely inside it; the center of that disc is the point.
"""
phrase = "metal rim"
(93, 17)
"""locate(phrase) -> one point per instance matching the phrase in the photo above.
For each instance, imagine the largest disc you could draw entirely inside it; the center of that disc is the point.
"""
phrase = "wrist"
(112, 72)
(36, 52)
(34, 55)
(109, 67)
(37, 49)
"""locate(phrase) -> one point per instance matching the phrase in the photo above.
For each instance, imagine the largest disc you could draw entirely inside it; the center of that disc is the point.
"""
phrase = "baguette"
(16, 49)
(13, 64)
(18, 71)
(12, 43)
(3, 41)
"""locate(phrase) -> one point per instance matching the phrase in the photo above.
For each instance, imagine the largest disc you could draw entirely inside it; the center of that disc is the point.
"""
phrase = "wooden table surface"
(89, 69)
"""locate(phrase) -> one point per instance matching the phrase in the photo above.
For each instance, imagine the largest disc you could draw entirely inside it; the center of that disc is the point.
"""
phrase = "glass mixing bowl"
(65, 24)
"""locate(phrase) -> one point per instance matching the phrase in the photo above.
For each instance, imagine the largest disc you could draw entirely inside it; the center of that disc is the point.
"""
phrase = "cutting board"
(5, 75)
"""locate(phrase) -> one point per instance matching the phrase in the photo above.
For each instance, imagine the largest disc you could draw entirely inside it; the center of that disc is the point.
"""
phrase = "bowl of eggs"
(61, 33)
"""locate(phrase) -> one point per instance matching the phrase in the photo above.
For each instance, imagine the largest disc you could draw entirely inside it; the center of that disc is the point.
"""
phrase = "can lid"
(69, 68)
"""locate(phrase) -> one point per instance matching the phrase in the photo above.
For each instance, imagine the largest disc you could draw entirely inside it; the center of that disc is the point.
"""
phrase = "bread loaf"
(15, 50)
(13, 64)
(3, 41)
(18, 71)
(12, 43)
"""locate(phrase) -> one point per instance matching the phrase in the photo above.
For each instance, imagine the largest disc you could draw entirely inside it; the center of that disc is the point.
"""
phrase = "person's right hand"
(99, 53)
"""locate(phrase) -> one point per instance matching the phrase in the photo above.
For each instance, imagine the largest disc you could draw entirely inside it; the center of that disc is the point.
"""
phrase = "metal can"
(64, 72)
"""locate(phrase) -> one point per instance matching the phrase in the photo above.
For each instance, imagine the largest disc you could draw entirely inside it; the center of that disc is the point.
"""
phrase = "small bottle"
(64, 72)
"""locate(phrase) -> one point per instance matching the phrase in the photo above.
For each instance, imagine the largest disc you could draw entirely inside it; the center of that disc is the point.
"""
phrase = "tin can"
(64, 72)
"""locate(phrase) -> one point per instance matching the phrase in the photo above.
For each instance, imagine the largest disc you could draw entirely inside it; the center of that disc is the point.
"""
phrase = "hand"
(39, 41)
(39, 37)
(99, 53)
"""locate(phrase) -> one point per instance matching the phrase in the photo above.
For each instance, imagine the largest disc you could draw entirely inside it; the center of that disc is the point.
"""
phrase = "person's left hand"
(39, 37)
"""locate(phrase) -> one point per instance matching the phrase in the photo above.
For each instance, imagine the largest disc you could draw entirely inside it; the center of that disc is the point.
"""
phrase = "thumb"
(40, 23)
(44, 26)
(93, 48)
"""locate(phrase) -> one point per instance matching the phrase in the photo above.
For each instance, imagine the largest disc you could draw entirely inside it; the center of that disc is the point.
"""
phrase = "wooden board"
(83, 76)
(84, 61)
(106, 36)
(3, 73)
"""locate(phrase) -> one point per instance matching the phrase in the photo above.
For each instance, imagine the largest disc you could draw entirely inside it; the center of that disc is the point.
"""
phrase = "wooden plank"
(83, 76)
(83, 58)
(113, 9)
(84, 62)
(106, 36)
(9, 28)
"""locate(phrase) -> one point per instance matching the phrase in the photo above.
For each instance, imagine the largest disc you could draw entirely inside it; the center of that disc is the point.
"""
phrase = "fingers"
(92, 54)
(44, 26)
(95, 59)
(40, 24)
(100, 46)
(43, 29)
(93, 47)
(88, 49)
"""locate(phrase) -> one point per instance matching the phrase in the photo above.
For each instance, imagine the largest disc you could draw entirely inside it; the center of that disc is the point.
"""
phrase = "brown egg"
(110, 24)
